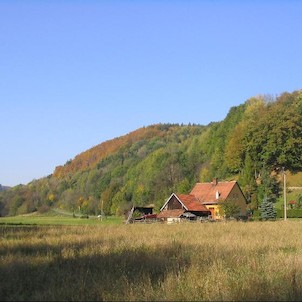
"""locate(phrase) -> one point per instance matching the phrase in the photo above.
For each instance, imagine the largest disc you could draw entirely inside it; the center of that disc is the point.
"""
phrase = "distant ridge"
(3, 188)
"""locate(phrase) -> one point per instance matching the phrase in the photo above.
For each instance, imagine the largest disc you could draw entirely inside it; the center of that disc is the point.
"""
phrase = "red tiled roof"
(191, 203)
(171, 213)
(207, 192)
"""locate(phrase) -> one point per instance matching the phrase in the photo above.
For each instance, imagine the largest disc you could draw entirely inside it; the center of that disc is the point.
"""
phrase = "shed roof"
(188, 201)
(171, 213)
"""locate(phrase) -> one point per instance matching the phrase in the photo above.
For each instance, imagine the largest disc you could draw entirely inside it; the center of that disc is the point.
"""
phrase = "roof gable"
(213, 191)
(191, 203)
(168, 200)
(188, 202)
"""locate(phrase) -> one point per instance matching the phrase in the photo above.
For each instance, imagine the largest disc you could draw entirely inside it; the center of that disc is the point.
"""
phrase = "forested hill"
(91, 157)
(251, 145)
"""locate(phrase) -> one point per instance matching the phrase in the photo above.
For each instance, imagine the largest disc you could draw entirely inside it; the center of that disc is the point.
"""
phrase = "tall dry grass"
(231, 261)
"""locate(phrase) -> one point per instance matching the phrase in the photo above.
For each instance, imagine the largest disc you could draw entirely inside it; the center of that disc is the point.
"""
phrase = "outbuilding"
(182, 206)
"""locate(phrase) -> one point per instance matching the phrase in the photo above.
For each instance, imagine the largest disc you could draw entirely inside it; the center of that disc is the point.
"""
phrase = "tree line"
(255, 141)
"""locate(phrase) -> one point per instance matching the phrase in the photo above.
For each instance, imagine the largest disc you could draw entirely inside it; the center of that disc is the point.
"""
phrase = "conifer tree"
(267, 209)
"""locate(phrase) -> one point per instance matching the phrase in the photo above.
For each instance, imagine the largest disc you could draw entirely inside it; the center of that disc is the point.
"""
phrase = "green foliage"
(230, 209)
(268, 186)
(290, 213)
(184, 187)
(275, 138)
(267, 209)
(247, 179)
(136, 214)
(298, 204)
(256, 214)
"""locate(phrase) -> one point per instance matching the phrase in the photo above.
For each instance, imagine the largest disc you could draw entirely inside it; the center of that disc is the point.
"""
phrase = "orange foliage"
(91, 157)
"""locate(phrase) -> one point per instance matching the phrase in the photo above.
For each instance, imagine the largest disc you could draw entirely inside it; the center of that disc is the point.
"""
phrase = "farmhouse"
(204, 200)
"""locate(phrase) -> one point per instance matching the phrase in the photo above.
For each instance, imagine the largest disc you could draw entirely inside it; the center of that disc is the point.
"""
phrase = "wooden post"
(130, 215)
(284, 194)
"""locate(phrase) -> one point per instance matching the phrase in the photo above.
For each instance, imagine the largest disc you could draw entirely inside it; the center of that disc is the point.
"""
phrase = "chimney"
(215, 181)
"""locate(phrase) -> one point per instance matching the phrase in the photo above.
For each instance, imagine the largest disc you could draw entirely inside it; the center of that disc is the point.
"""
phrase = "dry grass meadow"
(225, 261)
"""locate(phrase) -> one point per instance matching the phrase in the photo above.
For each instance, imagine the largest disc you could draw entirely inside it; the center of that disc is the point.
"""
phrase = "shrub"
(43, 209)
(230, 209)
(290, 213)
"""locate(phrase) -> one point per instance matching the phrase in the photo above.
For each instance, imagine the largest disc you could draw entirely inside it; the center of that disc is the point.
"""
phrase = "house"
(203, 201)
(180, 206)
(212, 194)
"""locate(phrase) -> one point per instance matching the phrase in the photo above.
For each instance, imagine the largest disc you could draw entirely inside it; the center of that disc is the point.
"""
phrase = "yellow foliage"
(51, 197)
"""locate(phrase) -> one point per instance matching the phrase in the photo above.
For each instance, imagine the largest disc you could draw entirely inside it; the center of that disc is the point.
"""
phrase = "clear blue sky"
(74, 74)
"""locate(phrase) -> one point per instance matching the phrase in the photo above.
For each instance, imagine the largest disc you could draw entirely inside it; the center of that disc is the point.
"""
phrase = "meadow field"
(57, 220)
(225, 261)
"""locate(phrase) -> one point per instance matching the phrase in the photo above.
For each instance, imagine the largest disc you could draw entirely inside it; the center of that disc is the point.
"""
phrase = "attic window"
(217, 195)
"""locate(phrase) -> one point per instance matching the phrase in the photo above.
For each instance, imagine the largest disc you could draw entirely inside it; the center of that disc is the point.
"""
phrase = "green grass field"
(58, 218)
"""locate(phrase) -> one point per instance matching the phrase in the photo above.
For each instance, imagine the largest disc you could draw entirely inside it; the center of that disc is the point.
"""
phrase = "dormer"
(217, 195)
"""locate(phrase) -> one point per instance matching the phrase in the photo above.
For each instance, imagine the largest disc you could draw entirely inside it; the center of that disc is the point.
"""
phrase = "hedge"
(290, 213)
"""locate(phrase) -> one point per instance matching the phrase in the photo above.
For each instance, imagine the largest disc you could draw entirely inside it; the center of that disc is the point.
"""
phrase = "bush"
(43, 209)
(291, 213)
(256, 213)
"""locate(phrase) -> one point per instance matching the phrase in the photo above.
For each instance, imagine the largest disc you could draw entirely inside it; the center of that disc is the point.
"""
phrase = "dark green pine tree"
(267, 209)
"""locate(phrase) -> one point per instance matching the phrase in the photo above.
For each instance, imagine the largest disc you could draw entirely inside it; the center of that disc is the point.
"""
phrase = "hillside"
(252, 144)
(91, 157)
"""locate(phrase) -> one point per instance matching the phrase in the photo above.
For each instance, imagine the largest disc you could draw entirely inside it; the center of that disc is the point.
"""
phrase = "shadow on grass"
(68, 276)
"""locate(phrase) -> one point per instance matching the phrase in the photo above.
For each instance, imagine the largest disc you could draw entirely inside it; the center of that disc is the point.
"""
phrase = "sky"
(74, 74)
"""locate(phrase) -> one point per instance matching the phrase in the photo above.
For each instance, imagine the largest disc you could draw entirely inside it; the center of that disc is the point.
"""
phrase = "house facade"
(205, 199)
